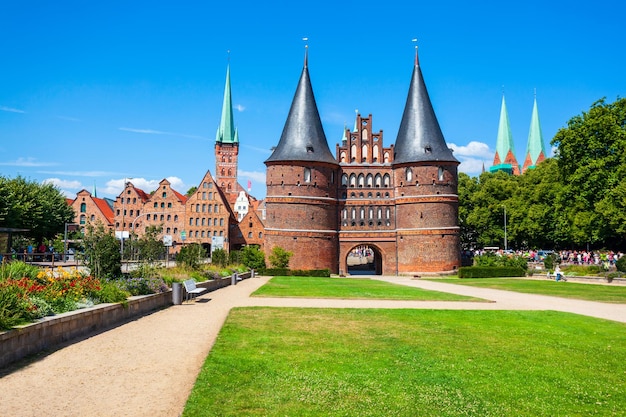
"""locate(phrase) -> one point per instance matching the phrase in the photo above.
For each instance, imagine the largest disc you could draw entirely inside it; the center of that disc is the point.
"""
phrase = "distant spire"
(535, 149)
(504, 158)
(356, 119)
(306, 52)
(226, 132)
(303, 137)
(419, 137)
(95, 193)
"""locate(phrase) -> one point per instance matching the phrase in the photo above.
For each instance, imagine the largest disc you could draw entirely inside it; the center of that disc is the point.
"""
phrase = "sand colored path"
(147, 367)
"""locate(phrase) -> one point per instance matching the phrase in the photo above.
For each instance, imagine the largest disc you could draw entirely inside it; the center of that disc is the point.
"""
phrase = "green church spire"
(505, 156)
(535, 149)
(226, 132)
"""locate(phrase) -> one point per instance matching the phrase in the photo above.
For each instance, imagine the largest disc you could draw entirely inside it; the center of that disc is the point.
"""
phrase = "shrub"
(491, 271)
(111, 292)
(621, 264)
(13, 308)
(280, 257)
(219, 257)
(492, 259)
(550, 261)
(18, 269)
(191, 255)
(253, 258)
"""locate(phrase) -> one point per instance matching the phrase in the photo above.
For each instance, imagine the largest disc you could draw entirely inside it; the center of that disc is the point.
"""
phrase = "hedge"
(490, 272)
(295, 272)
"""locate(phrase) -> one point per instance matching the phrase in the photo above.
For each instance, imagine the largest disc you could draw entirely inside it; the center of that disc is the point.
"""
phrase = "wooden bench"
(191, 290)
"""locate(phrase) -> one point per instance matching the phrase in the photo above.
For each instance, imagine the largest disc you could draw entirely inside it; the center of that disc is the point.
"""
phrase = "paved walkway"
(147, 367)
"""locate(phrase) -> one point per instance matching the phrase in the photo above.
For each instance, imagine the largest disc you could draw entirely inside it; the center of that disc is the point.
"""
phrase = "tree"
(219, 257)
(102, 252)
(190, 191)
(252, 257)
(150, 247)
(191, 255)
(279, 257)
(591, 154)
(41, 208)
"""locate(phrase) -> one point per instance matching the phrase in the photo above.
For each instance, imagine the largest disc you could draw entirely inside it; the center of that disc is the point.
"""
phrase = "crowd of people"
(566, 257)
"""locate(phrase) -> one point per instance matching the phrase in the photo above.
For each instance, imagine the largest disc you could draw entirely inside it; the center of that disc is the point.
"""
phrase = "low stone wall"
(53, 331)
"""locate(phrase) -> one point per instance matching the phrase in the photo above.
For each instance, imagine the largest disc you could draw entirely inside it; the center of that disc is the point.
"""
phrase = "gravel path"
(147, 367)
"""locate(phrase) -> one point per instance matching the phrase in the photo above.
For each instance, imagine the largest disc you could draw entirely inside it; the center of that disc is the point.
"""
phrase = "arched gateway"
(364, 259)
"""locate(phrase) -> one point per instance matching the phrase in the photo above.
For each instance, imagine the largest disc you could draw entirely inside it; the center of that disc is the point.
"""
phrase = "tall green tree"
(591, 155)
(41, 208)
(102, 252)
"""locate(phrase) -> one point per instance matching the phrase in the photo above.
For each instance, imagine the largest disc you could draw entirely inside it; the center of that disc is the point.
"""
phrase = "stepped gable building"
(401, 201)
(129, 206)
(90, 209)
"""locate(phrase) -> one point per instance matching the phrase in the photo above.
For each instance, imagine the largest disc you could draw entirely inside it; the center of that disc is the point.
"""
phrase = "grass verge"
(350, 288)
(358, 362)
(589, 292)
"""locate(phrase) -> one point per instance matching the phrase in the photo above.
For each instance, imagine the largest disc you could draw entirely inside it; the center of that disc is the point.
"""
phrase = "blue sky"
(92, 93)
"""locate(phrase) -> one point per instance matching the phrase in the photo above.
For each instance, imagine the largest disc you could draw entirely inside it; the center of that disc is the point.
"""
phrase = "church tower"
(425, 181)
(227, 145)
(505, 160)
(301, 199)
(535, 150)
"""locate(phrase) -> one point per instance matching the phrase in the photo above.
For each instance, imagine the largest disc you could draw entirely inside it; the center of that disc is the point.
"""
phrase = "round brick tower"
(425, 182)
(301, 199)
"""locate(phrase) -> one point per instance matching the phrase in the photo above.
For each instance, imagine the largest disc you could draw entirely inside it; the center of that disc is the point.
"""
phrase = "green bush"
(41, 307)
(491, 259)
(491, 271)
(550, 261)
(253, 258)
(17, 270)
(13, 309)
(111, 292)
(219, 257)
(621, 264)
(280, 257)
(191, 255)
(582, 270)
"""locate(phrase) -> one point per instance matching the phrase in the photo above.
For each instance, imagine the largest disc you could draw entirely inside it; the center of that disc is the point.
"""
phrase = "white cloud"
(239, 108)
(255, 176)
(27, 162)
(11, 109)
(473, 149)
(73, 185)
(159, 132)
(473, 157)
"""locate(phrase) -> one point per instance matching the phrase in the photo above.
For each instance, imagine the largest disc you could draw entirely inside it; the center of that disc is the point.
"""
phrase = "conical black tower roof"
(419, 137)
(303, 137)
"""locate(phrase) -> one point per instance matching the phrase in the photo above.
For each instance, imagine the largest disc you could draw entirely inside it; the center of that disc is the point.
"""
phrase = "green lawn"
(372, 362)
(591, 292)
(350, 288)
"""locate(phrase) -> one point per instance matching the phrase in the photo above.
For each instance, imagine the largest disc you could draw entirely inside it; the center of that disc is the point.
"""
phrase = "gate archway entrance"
(364, 260)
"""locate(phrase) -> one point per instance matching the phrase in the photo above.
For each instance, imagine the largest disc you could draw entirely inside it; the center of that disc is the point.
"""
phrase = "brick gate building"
(400, 201)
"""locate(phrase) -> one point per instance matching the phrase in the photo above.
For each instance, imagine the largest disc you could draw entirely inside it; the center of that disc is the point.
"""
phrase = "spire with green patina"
(535, 149)
(226, 132)
(505, 160)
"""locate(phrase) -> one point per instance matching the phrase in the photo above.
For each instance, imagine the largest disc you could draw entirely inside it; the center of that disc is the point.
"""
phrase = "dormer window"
(309, 148)
(428, 149)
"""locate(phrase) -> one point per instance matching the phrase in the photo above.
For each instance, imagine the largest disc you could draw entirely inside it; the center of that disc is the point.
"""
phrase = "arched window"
(361, 180)
(345, 213)
(364, 153)
(83, 219)
(344, 180)
(352, 180)
(440, 174)
(353, 213)
(83, 207)
(409, 175)
(307, 174)
(353, 153)
(343, 157)
(369, 180)
(386, 180)
(375, 153)
(378, 180)
(386, 157)
(364, 134)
